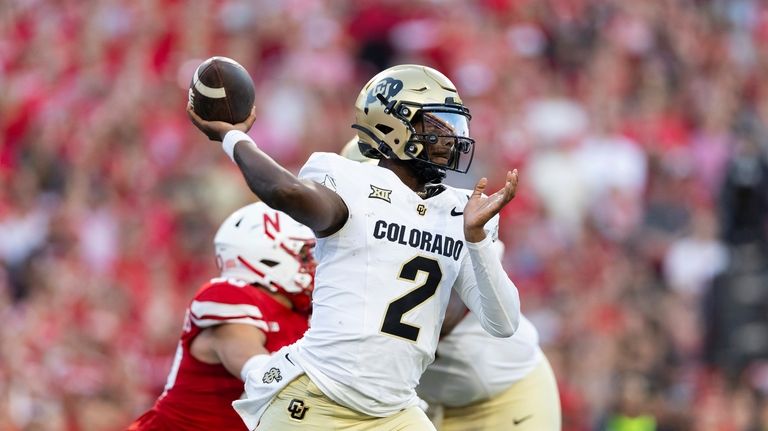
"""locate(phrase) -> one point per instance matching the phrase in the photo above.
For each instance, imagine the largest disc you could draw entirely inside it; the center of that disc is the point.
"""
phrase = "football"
(222, 90)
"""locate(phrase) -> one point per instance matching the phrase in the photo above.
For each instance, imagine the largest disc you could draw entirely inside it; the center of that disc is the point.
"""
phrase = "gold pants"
(531, 404)
(301, 405)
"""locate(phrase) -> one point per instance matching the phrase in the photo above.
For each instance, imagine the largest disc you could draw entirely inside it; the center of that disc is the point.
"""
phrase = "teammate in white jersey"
(482, 383)
(392, 243)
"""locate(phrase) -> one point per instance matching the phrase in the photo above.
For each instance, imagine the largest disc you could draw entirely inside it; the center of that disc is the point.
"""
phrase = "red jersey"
(198, 396)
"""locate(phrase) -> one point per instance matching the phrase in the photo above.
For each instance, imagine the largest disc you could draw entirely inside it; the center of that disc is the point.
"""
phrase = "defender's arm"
(233, 345)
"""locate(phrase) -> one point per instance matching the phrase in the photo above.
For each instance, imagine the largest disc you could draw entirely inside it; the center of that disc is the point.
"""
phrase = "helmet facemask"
(440, 141)
(300, 294)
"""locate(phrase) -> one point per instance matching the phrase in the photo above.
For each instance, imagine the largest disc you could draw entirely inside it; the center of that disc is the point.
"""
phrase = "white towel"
(263, 384)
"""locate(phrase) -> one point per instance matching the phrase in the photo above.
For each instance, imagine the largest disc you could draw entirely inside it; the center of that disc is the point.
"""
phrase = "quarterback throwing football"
(392, 243)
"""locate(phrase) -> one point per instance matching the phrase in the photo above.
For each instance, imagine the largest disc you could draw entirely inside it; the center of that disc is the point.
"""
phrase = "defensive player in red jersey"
(260, 303)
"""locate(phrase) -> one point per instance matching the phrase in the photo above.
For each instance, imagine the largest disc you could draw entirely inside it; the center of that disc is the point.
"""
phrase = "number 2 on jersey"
(393, 323)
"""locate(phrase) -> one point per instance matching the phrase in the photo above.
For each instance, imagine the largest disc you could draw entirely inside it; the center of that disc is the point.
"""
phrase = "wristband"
(230, 139)
(254, 362)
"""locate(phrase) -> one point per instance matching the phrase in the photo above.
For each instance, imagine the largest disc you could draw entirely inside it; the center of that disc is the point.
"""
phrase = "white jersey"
(382, 285)
(471, 365)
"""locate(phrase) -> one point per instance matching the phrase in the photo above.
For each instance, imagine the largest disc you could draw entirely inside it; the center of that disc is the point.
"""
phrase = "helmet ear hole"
(270, 263)
(383, 128)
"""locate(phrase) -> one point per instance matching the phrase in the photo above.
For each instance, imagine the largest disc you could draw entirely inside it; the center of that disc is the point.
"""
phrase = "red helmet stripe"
(249, 266)
(259, 273)
(288, 250)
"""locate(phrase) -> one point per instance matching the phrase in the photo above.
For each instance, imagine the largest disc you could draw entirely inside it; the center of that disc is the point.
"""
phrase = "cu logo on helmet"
(388, 87)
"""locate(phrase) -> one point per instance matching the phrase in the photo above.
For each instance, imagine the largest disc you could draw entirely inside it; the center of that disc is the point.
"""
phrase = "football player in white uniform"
(392, 243)
(483, 383)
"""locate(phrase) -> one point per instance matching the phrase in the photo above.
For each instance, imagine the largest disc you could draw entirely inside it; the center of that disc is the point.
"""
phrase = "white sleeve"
(223, 302)
(205, 314)
(486, 289)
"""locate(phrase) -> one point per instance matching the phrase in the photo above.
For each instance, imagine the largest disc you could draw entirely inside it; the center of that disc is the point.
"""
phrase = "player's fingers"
(193, 115)
(503, 194)
(510, 188)
(251, 119)
(480, 187)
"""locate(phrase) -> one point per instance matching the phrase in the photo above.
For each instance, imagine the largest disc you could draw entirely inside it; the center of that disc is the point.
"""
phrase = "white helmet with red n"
(260, 245)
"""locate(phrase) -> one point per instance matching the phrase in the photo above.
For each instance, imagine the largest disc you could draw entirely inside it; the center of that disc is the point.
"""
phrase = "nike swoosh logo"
(456, 213)
(289, 360)
(521, 420)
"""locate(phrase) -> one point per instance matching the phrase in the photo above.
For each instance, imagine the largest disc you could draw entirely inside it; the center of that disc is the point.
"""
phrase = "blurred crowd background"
(637, 239)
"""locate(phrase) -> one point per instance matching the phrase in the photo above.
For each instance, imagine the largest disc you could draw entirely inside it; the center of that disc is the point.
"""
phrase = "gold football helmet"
(406, 107)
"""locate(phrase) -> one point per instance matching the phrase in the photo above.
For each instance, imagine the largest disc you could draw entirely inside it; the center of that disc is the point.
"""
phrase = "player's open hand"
(481, 208)
(215, 130)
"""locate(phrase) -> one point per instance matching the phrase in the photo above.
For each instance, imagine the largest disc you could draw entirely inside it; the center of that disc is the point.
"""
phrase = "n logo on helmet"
(271, 225)
(388, 87)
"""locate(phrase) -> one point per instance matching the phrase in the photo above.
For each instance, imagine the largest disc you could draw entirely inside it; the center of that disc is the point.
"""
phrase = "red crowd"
(640, 130)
